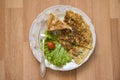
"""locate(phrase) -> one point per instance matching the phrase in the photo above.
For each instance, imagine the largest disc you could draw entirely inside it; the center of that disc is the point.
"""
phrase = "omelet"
(54, 23)
(77, 42)
(82, 30)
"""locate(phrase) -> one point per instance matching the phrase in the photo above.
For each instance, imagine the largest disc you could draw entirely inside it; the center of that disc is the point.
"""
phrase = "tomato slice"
(51, 45)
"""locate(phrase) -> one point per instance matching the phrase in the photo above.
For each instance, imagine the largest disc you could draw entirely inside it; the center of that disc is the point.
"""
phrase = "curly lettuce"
(59, 56)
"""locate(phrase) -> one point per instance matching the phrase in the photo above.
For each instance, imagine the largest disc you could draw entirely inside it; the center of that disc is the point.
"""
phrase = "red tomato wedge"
(51, 45)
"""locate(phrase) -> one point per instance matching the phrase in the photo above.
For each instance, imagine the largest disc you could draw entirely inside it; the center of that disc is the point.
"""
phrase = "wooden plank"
(14, 3)
(2, 29)
(30, 64)
(59, 75)
(115, 33)
(87, 70)
(14, 44)
(29, 15)
(103, 55)
(2, 39)
(42, 3)
(2, 70)
(114, 8)
(84, 5)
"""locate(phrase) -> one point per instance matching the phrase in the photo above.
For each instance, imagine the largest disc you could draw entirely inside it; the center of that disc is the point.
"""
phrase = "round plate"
(39, 26)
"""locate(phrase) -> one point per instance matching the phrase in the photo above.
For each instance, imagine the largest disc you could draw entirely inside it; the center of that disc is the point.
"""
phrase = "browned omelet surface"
(79, 41)
(54, 23)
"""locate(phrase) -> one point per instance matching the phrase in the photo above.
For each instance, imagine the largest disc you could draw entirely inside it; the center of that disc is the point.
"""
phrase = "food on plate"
(51, 45)
(78, 54)
(57, 56)
(77, 40)
(54, 23)
(68, 39)
(82, 33)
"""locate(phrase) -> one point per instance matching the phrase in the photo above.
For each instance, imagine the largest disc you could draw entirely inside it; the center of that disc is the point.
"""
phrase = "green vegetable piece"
(59, 56)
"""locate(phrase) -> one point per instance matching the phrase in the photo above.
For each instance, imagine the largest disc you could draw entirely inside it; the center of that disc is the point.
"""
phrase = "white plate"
(39, 26)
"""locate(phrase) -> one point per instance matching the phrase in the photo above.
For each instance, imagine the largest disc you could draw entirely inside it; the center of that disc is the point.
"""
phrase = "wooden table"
(17, 61)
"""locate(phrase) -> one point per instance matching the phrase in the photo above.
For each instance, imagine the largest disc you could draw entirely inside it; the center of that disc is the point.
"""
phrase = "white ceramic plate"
(39, 26)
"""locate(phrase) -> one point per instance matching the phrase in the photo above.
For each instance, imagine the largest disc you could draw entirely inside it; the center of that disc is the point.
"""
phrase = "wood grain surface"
(17, 61)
